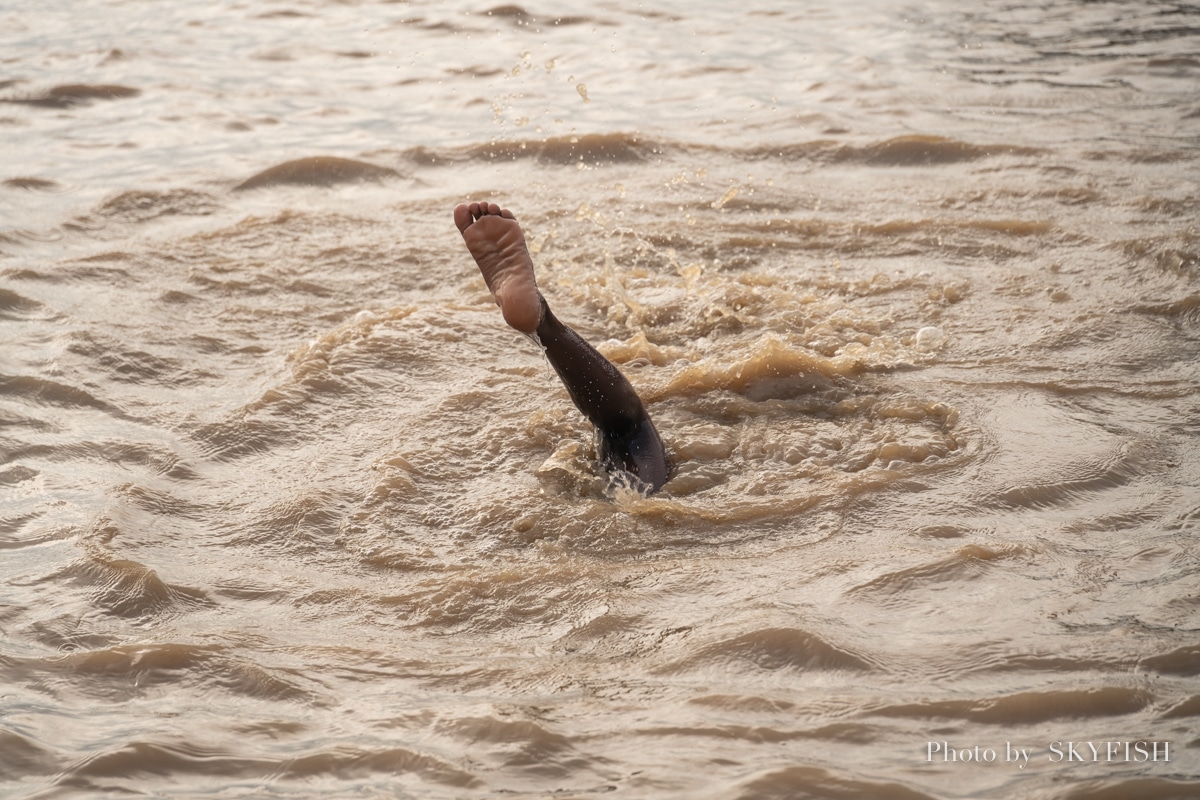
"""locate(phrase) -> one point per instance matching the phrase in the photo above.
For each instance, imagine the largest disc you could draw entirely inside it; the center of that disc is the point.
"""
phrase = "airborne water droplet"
(729, 195)
(582, 89)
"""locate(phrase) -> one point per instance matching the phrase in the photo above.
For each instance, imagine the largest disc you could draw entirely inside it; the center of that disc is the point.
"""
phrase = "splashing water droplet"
(729, 195)
(930, 338)
(582, 89)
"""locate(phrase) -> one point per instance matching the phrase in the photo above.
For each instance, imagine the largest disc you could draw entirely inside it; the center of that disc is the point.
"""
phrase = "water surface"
(911, 292)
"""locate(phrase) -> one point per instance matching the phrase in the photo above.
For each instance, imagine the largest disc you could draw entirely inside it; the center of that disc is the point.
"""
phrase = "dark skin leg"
(627, 438)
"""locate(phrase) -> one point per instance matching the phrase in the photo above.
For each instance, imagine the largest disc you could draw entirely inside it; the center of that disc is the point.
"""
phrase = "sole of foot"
(496, 242)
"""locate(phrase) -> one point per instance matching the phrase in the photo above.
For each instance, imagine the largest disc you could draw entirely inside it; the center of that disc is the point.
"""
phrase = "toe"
(462, 216)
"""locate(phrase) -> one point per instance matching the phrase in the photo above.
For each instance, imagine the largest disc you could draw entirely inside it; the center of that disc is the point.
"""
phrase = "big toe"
(462, 217)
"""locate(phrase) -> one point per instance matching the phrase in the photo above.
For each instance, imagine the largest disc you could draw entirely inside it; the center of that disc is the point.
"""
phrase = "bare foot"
(494, 238)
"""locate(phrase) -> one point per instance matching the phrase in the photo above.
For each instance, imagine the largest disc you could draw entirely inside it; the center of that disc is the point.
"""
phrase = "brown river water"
(912, 291)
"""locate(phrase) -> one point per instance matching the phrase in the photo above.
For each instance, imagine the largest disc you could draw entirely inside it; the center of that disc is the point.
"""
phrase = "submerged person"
(626, 438)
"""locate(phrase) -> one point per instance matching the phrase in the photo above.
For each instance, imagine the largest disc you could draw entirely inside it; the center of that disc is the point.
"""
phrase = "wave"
(241, 436)
(1187, 708)
(32, 184)
(321, 171)
(815, 783)
(73, 94)
(122, 672)
(1141, 788)
(1184, 661)
(114, 359)
(770, 369)
(1027, 708)
(126, 588)
(351, 762)
(518, 16)
(590, 149)
(967, 564)
(11, 526)
(775, 649)
(523, 743)
(148, 759)
(899, 151)
(1080, 481)
(626, 147)
(143, 205)
(1186, 310)
(18, 306)
(917, 151)
(43, 391)
(21, 756)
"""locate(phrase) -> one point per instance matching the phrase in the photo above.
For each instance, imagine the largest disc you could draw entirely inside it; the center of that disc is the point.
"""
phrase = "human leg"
(627, 438)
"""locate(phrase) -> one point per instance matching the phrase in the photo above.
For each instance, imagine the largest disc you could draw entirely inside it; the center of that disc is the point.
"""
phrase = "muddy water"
(911, 292)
